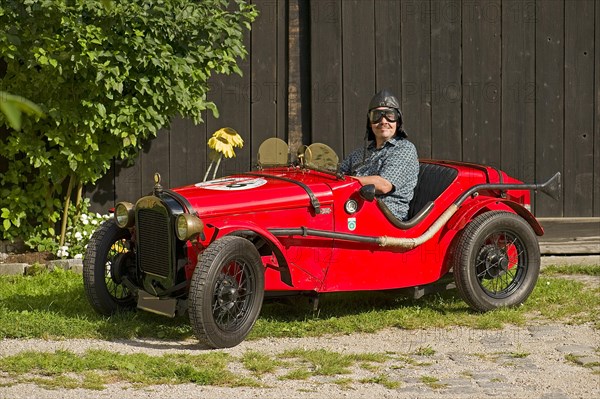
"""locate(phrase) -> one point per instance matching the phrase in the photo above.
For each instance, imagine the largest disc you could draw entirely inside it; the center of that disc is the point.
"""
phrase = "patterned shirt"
(397, 162)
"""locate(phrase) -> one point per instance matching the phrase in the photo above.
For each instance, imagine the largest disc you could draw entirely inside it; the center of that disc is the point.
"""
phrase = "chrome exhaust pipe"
(551, 188)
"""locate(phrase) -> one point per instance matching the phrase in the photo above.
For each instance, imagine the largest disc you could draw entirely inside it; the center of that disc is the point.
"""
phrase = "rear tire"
(104, 264)
(226, 292)
(496, 261)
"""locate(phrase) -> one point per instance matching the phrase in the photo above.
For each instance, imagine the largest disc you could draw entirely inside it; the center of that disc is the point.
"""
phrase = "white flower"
(94, 222)
(98, 215)
(85, 222)
(78, 236)
(78, 256)
(84, 216)
(62, 252)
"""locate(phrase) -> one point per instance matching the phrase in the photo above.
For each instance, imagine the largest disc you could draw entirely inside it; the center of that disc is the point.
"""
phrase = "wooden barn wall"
(510, 83)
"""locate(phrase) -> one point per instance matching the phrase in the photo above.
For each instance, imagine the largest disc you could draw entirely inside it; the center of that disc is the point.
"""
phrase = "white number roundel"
(233, 183)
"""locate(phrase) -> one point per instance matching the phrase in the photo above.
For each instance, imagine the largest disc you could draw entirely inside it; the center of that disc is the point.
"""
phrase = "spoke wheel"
(106, 262)
(226, 292)
(496, 261)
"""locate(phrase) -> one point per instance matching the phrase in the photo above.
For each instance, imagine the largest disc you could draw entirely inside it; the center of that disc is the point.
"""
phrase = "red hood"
(259, 191)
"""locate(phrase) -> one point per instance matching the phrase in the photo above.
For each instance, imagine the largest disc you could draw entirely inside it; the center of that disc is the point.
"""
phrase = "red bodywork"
(261, 205)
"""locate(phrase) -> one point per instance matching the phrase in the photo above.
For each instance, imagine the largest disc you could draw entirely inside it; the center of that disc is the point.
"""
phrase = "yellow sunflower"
(230, 136)
(221, 145)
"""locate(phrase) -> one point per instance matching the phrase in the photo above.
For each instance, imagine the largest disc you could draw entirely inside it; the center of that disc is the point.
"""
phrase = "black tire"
(105, 261)
(496, 261)
(226, 292)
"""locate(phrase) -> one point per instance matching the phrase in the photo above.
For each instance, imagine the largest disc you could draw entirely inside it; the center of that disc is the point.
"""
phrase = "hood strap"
(313, 199)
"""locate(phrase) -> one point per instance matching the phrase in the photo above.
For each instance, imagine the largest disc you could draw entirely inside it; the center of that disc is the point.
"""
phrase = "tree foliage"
(108, 76)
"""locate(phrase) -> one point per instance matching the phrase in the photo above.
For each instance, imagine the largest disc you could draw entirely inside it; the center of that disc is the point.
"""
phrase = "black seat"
(432, 181)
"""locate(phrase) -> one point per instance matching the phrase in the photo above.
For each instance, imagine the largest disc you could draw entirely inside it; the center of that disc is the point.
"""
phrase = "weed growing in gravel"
(490, 357)
(344, 383)
(321, 362)
(432, 382)
(576, 359)
(369, 367)
(381, 380)
(466, 374)
(519, 355)
(425, 351)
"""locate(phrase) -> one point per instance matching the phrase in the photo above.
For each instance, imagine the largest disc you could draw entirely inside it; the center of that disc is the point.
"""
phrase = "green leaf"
(6, 224)
(11, 112)
(12, 106)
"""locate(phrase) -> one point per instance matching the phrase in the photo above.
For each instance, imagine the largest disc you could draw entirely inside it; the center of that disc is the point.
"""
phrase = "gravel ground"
(468, 364)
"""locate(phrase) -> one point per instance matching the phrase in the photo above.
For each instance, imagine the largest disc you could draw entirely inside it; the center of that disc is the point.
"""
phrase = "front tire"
(105, 263)
(496, 261)
(226, 292)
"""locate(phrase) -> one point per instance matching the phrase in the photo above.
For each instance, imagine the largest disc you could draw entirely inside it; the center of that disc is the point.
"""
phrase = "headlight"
(351, 206)
(187, 226)
(124, 214)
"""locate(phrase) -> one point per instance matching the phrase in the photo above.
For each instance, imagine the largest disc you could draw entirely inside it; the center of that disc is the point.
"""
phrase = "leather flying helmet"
(385, 98)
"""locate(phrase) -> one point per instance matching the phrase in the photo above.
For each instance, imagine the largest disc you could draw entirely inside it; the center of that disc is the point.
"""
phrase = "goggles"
(376, 115)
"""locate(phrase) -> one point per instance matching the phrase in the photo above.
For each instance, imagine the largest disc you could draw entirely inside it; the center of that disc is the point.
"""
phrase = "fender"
(467, 213)
(252, 229)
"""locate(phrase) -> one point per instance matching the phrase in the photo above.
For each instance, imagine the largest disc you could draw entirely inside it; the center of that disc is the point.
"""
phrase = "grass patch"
(259, 363)
(97, 368)
(588, 270)
(566, 300)
(297, 374)
(368, 312)
(53, 305)
(328, 363)
(322, 362)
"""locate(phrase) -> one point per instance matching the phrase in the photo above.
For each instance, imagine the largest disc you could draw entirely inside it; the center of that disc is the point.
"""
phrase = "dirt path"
(538, 361)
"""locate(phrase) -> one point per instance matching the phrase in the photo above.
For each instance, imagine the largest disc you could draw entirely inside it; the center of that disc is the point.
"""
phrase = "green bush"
(81, 225)
(107, 75)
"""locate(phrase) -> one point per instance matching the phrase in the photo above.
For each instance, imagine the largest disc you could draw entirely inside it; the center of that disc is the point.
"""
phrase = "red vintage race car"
(214, 249)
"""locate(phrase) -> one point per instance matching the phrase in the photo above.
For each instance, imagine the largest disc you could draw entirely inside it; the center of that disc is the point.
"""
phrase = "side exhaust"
(550, 188)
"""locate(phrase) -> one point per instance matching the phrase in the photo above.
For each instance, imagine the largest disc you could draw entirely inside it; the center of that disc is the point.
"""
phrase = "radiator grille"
(153, 242)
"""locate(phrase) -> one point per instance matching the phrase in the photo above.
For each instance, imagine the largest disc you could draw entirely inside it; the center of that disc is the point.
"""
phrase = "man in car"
(388, 161)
